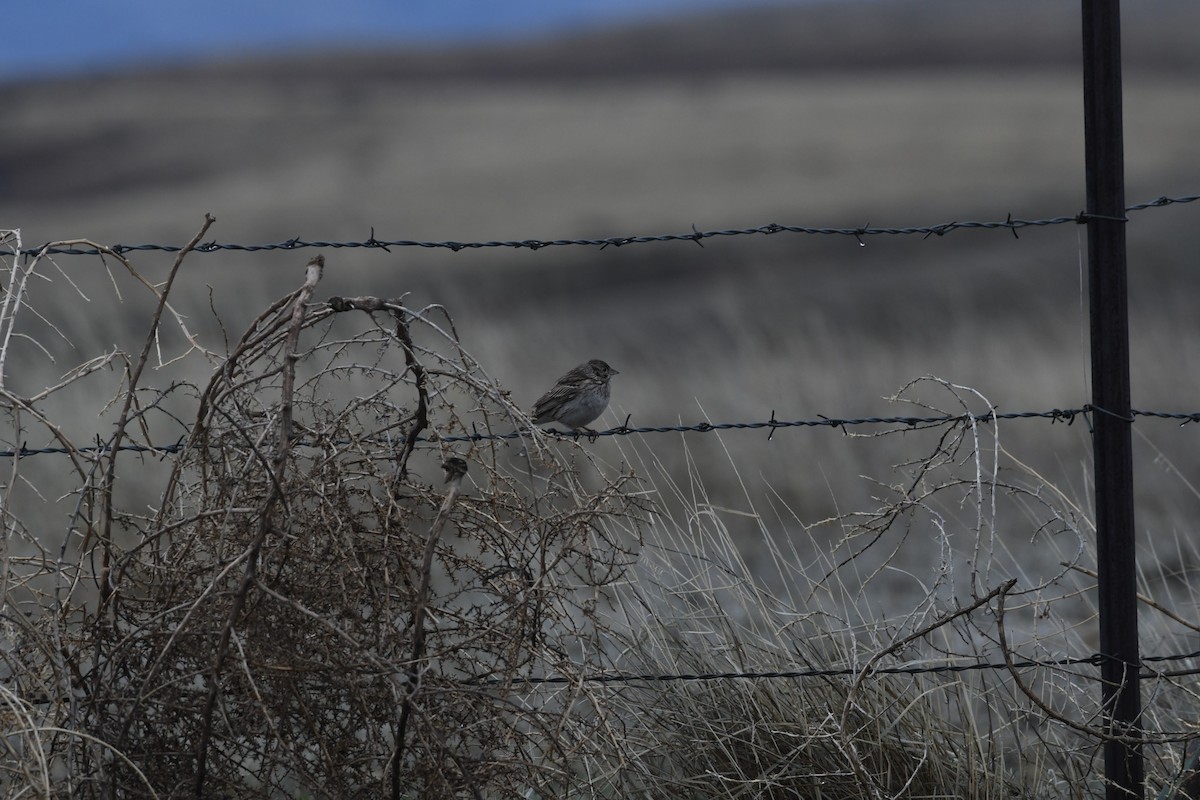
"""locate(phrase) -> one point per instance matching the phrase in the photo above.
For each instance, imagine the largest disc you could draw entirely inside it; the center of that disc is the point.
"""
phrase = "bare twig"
(920, 633)
(422, 414)
(1142, 598)
(265, 519)
(135, 375)
(455, 469)
(1002, 635)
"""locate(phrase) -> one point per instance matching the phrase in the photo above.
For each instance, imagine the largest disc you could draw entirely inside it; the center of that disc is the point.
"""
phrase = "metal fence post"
(1111, 439)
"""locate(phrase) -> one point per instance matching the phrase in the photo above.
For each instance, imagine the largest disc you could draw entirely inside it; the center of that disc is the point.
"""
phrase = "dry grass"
(811, 549)
(706, 608)
(298, 610)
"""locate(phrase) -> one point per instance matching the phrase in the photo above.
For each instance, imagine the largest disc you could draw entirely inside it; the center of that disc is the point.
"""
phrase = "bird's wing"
(553, 398)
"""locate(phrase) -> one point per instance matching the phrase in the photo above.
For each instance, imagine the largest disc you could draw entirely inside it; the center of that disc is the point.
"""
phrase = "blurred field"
(930, 113)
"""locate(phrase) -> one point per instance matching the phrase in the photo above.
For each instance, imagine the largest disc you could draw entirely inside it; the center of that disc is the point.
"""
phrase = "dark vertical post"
(1111, 438)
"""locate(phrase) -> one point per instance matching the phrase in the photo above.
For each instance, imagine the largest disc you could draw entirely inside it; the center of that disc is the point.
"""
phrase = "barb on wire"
(1067, 415)
(695, 235)
(1184, 418)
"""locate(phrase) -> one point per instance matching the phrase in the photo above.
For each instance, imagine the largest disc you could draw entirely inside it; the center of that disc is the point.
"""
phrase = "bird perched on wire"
(578, 398)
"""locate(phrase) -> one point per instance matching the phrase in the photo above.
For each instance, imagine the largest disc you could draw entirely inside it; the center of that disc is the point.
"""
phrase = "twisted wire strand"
(1095, 660)
(696, 236)
(1067, 415)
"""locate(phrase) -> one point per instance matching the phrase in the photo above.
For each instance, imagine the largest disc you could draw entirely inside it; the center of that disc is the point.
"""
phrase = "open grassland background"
(721, 552)
(841, 115)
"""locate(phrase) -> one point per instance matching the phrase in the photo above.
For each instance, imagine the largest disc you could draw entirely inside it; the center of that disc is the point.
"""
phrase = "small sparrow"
(579, 397)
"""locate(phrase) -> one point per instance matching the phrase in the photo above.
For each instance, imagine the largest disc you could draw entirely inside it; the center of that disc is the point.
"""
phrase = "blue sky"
(45, 37)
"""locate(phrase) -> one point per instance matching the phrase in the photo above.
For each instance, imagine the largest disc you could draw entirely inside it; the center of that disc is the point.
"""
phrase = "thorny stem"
(312, 276)
(455, 469)
(998, 592)
(1002, 636)
(106, 588)
(135, 375)
(422, 416)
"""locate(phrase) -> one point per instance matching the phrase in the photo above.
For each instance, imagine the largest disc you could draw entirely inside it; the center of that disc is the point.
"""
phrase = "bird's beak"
(613, 371)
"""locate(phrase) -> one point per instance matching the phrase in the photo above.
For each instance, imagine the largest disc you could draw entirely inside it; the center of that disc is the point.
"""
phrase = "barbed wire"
(1067, 415)
(696, 236)
(1094, 660)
